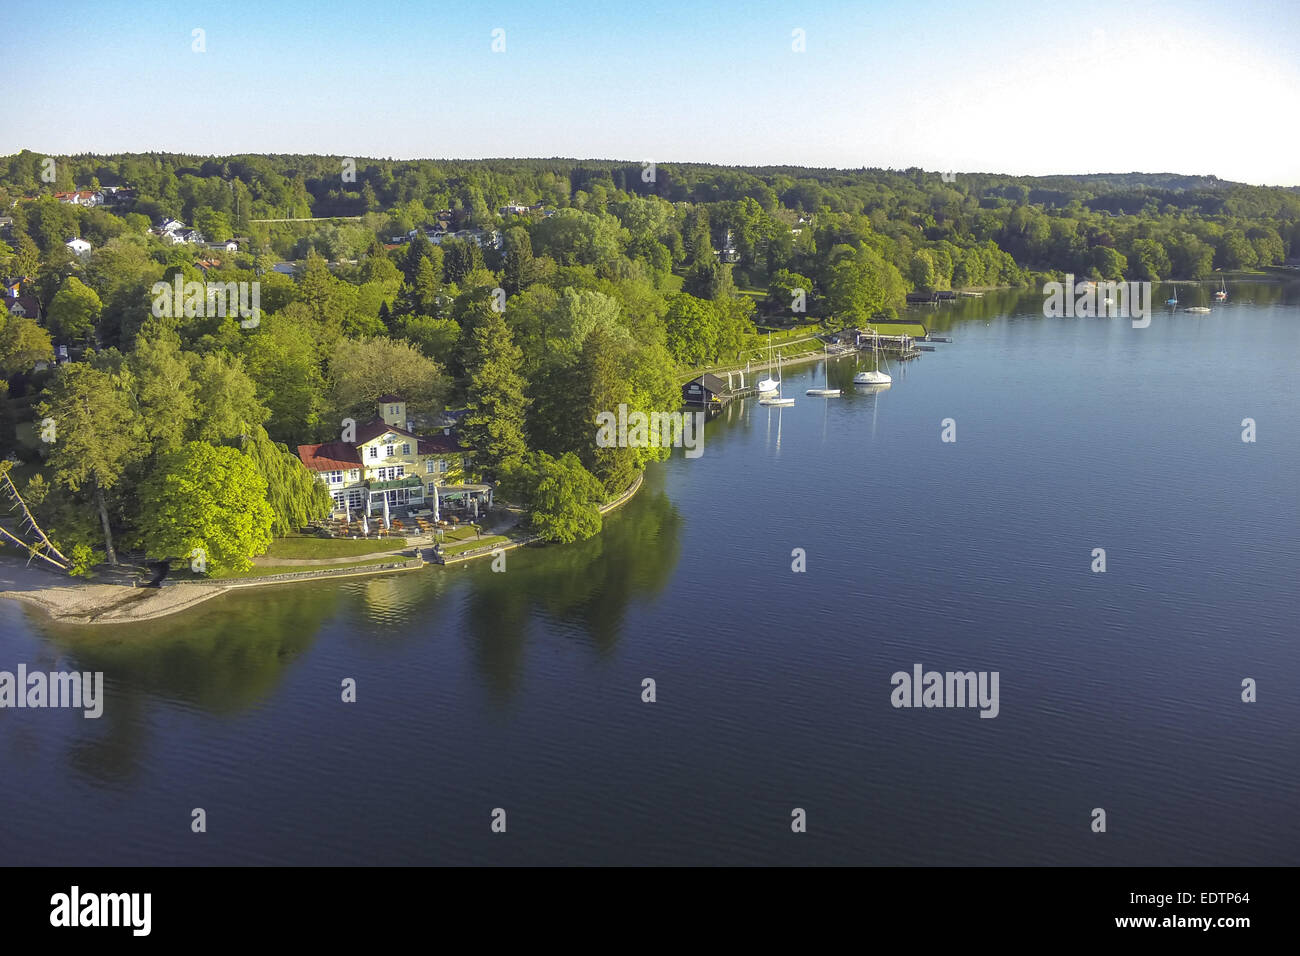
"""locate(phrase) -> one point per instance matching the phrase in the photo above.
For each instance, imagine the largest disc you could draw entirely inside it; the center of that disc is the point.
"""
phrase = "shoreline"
(89, 603)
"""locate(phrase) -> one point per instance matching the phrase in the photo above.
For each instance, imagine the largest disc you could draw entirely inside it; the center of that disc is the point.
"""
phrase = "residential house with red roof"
(383, 459)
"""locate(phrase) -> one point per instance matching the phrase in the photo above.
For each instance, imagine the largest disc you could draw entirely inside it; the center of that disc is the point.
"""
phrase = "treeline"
(622, 277)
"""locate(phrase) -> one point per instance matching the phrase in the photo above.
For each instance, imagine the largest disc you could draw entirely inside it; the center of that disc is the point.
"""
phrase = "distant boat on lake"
(826, 392)
(769, 384)
(1222, 294)
(776, 399)
(875, 377)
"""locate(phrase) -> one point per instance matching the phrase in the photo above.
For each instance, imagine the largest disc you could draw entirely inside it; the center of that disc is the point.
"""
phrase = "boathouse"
(706, 390)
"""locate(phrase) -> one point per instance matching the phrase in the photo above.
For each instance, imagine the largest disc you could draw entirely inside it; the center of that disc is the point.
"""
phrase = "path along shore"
(74, 602)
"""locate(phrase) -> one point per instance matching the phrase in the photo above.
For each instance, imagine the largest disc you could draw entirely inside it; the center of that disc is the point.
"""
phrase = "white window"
(354, 474)
(392, 409)
(374, 451)
(431, 466)
(444, 465)
(355, 498)
(406, 449)
(334, 477)
(338, 500)
(388, 451)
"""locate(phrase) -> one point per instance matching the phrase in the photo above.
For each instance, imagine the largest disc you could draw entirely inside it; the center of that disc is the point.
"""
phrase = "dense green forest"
(533, 293)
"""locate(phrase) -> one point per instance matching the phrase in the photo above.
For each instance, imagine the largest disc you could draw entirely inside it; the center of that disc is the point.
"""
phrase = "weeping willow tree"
(296, 497)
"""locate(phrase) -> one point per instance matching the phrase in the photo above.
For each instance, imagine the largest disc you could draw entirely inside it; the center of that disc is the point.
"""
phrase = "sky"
(1028, 88)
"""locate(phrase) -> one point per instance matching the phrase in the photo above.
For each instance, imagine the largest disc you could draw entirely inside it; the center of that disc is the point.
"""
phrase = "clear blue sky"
(1018, 87)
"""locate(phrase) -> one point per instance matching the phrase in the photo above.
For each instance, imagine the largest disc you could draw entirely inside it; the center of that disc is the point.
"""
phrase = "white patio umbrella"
(436, 516)
(385, 511)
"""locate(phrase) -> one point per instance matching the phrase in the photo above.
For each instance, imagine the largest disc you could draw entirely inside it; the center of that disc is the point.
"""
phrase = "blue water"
(522, 690)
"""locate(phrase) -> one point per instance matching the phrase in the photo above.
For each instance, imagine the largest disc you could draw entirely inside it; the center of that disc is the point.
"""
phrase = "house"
(177, 233)
(79, 247)
(729, 252)
(83, 197)
(385, 460)
(514, 209)
(706, 390)
(285, 269)
(229, 245)
(26, 306)
(114, 195)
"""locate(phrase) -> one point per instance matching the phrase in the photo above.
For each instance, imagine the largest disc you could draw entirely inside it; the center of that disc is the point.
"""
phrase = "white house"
(79, 246)
(83, 197)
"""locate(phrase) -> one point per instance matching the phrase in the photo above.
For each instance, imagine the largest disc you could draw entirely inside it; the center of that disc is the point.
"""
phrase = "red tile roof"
(329, 456)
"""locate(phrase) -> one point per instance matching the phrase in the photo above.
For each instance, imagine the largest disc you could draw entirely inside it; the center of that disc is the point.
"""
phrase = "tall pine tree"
(494, 424)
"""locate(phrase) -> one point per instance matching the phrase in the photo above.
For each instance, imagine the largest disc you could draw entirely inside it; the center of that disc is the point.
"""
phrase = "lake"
(522, 690)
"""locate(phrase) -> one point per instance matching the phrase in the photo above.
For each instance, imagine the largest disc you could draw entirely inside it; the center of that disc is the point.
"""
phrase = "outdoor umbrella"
(385, 511)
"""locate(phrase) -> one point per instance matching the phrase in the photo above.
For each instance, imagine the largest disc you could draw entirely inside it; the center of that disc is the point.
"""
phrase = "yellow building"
(385, 460)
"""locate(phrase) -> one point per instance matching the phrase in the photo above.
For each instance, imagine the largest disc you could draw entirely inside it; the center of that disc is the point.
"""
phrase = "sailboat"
(1173, 299)
(876, 377)
(769, 384)
(776, 399)
(1198, 309)
(826, 392)
(1222, 294)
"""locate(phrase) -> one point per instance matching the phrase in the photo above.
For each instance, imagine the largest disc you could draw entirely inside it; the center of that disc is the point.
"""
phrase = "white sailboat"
(776, 399)
(1222, 294)
(826, 392)
(1173, 299)
(875, 377)
(769, 384)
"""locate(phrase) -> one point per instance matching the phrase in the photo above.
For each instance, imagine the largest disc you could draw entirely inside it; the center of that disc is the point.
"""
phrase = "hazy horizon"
(1010, 87)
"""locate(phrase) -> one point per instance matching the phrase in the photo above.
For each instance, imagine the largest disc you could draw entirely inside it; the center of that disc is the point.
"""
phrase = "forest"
(534, 294)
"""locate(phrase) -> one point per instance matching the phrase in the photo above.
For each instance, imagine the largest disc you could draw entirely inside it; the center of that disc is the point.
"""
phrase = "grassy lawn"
(493, 540)
(298, 547)
(914, 329)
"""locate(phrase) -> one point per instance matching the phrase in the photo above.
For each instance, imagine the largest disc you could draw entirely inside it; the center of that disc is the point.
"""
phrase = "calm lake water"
(522, 690)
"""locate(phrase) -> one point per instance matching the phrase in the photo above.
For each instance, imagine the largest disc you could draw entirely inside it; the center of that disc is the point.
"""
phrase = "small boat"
(1222, 294)
(1198, 309)
(776, 399)
(769, 384)
(876, 377)
(1173, 299)
(826, 392)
